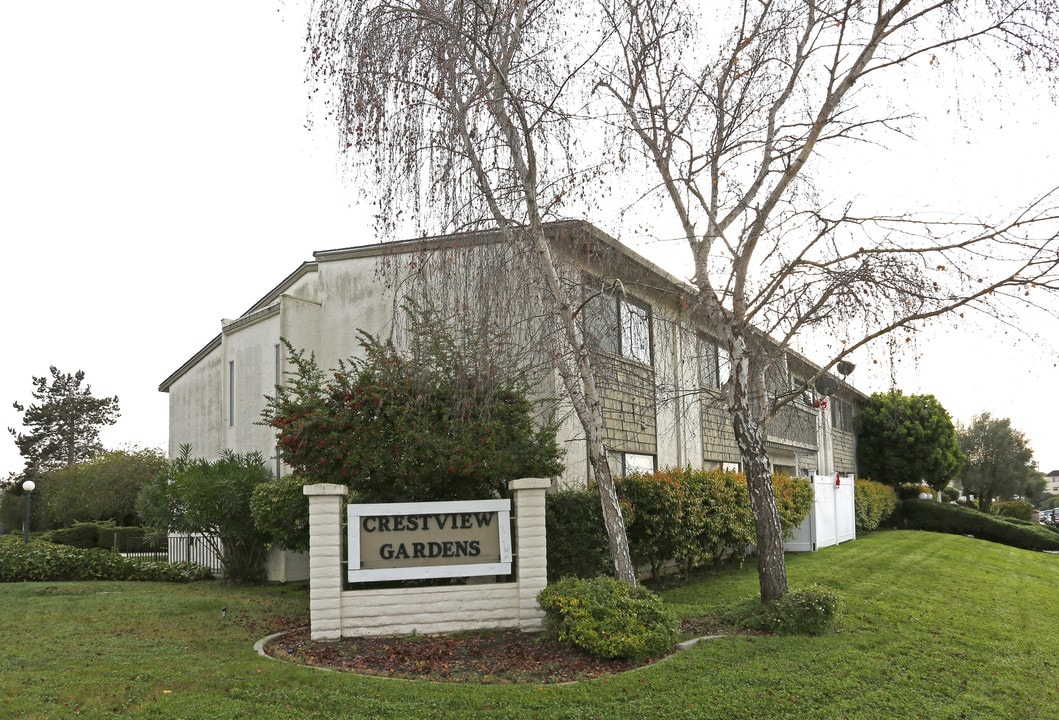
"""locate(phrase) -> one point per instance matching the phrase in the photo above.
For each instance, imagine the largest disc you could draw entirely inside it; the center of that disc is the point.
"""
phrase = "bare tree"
(728, 122)
(460, 107)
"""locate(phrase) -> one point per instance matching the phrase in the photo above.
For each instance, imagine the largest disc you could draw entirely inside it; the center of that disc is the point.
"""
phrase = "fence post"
(531, 548)
(325, 559)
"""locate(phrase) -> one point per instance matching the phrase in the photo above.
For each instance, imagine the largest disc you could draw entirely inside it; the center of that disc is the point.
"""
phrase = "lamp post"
(28, 487)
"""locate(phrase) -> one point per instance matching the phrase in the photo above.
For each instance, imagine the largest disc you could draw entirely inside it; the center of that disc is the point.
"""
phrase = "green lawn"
(932, 626)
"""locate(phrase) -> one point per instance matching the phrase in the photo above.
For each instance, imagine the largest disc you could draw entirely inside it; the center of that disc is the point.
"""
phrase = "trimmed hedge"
(957, 520)
(673, 516)
(608, 618)
(42, 561)
(101, 535)
(577, 541)
(874, 503)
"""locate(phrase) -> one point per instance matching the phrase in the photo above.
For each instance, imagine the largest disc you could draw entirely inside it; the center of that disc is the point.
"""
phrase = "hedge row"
(677, 516)
(874, 503)
(101, 535)
(42, 561)
(957, 520)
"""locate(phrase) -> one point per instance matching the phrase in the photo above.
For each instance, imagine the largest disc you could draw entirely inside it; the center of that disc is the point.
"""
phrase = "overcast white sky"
(156, 176)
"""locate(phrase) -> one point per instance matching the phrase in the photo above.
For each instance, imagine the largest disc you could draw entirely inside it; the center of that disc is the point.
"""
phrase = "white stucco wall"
(252, 349)
(196, 406)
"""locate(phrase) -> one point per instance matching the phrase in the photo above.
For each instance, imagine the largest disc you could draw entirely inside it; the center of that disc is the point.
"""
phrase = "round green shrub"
(811, 611)
(608, 618)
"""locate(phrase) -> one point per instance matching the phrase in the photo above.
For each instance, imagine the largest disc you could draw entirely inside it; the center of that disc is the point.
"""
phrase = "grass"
(932, 626)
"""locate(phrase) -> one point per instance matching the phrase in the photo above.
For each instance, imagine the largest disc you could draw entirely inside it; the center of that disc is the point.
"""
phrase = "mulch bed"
(494, 656)
(486, 656)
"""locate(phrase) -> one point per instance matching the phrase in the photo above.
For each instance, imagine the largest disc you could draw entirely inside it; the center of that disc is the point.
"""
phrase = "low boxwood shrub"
(42, 561)
(608, 618)
(958, 520)
(950, 494)
(874, 503)
(810, 611)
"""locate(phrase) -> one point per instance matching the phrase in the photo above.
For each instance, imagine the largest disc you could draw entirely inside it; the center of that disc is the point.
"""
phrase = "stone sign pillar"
(325, 559)
(532, 549)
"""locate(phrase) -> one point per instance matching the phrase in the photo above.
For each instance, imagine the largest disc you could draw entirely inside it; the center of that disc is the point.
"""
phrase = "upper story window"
(807, 396)
(619, 325)
(715, 364)
(842, 414)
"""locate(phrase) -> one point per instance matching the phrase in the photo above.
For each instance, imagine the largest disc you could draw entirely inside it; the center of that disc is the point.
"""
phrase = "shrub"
(1018, 509)
(950, 494)
(608, 618)
(81, 535)
(280, 509)
(912, 491)
(98, 534)
(577, 540)
(42, 561)
(811, 611)
(958, 520)
(665, 520)
(794, 500)
(682, 516)
(423, 425)
(874, 502)
(691, 516)
(212, 498)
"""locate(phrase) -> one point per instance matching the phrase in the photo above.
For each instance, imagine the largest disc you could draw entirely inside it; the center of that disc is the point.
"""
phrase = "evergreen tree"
(63, 424)
(907, 439)
(999, 460)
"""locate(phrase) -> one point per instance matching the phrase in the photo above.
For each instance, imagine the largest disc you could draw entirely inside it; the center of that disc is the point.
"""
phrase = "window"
(620, 326)
(841, 414)
(808, 395)
(231, 393)
(715, 364)
(623, 463)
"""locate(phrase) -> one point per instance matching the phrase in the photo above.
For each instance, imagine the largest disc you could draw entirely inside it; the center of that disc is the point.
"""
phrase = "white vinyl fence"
(832, 519)
(193, 548)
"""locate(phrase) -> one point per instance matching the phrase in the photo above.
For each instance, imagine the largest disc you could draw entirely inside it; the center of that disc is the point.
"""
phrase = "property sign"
(405, 541)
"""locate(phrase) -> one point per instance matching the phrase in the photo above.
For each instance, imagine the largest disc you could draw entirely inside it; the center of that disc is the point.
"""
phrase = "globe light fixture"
(29, 486)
